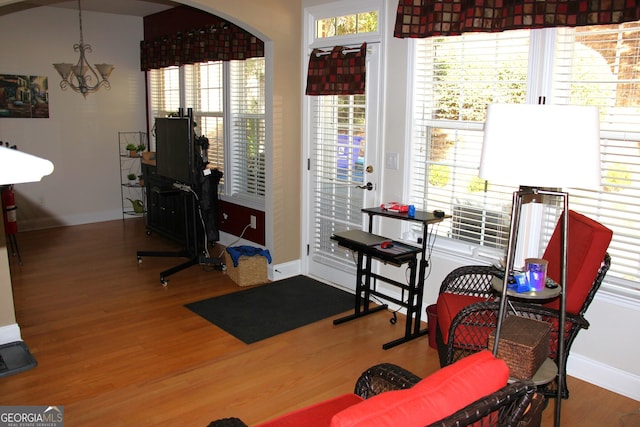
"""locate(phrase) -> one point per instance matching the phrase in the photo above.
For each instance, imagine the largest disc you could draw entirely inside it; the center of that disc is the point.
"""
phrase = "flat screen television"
(174, 148)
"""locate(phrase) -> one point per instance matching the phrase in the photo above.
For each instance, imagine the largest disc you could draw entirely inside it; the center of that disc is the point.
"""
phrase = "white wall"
(81, 135)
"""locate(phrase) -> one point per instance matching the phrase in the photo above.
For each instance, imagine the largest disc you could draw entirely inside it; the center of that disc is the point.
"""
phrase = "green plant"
(439, 175)
(131, 176)
(141, 147)
(131, 147)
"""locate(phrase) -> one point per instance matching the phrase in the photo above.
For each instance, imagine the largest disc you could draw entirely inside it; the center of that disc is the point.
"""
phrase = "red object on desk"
(395, 206)
(385, 245)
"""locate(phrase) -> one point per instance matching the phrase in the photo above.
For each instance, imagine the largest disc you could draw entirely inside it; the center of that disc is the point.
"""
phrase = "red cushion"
(435, 397)
(587, 245)
(448, 306)
(318, 415)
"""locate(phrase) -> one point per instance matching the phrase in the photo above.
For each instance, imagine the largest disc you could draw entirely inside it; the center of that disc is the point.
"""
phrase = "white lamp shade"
(18, 167)
(552, 146)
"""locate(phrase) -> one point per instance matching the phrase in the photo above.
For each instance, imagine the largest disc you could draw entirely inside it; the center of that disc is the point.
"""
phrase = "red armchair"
(467, 308)
(472, 390)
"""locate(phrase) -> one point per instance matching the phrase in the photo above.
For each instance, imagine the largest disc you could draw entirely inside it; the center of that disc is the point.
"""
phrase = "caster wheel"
(164, 283)
(394, 319)
(139, 260)
(148, 233)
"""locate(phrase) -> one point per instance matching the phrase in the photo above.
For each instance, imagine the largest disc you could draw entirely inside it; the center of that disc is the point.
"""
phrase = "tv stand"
(170, 207)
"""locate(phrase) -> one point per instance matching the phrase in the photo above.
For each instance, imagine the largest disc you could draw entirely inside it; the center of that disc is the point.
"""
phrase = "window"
(457, 77)
(228, 104)
(358, 23)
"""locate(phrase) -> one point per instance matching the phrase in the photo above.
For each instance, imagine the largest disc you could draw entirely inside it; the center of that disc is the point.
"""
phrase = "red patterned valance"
(341, 71)
(425, 18)
(215, 43)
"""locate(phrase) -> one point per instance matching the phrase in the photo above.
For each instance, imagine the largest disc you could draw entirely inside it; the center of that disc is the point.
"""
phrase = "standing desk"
(367, 247)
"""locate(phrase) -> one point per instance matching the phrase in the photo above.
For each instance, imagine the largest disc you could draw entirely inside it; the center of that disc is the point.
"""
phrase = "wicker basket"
(524, 345)
(251, 270)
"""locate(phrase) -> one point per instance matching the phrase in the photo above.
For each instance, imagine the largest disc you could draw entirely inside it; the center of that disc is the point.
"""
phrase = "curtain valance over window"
(426, 18)
(215, 43)
(341, 71)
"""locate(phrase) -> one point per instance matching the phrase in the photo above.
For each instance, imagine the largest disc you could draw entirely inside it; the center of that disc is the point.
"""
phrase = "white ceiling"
(120, 7)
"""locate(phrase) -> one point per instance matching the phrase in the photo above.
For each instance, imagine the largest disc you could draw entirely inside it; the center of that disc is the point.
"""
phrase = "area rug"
(258, 313)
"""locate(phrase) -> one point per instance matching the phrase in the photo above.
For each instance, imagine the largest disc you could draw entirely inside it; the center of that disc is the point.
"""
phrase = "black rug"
(264, 311)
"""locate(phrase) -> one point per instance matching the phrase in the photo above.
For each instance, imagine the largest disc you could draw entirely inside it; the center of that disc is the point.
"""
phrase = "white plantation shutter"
(457, 77)
(204, 93)
(164, 94)
(247, 150)
(337, 166)
(227, 100)
(599, 66)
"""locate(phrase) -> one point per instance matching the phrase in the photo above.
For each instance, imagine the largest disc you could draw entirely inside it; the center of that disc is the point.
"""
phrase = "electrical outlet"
(253, 222)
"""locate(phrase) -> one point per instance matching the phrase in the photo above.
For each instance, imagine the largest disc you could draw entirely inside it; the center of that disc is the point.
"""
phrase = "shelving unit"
(131, 189)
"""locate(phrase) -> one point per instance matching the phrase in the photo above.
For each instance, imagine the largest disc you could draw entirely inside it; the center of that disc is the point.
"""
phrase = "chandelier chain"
(80, 19)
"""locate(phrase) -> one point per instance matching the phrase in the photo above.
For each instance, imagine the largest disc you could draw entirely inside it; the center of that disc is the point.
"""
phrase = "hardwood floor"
(115, 348)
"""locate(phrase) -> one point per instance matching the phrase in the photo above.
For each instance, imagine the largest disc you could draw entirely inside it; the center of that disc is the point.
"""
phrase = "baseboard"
(69, 220)
(283, 271)
(10, 333)
(586, 369)
(605, 376)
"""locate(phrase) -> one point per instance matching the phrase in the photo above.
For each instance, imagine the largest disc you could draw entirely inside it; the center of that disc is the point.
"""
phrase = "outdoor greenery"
(349, 24)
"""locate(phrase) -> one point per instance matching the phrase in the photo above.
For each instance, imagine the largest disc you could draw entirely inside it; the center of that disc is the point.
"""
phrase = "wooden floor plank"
(115, 348)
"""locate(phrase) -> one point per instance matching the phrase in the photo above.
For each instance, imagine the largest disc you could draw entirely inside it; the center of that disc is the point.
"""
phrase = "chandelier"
(82, 77)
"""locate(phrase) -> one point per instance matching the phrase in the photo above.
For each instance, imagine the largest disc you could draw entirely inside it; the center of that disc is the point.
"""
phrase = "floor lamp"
(543, 149)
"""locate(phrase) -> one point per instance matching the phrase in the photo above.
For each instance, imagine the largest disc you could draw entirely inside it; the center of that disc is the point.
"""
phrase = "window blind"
(204, 93)
(228, 105)
(247, 149)
(337, 167)
(455, 79)
(598, 65)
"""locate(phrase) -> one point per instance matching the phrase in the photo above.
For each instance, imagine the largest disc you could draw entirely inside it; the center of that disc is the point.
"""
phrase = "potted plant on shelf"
(132, 149)
(132, 178)
(140, 148)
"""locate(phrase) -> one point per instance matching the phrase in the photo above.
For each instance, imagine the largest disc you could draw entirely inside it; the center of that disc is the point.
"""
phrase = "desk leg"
(411, 302)
(420, 293)
(414, 305)
(363, 293)
(359, 286)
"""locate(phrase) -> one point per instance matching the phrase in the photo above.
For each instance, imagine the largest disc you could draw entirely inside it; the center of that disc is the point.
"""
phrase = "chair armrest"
(474, 280)
(470, 329)
(384, 377)
(506, 407)
(227, 422)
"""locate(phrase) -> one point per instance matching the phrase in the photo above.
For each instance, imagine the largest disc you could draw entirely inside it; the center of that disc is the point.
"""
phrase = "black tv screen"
(174, 148)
